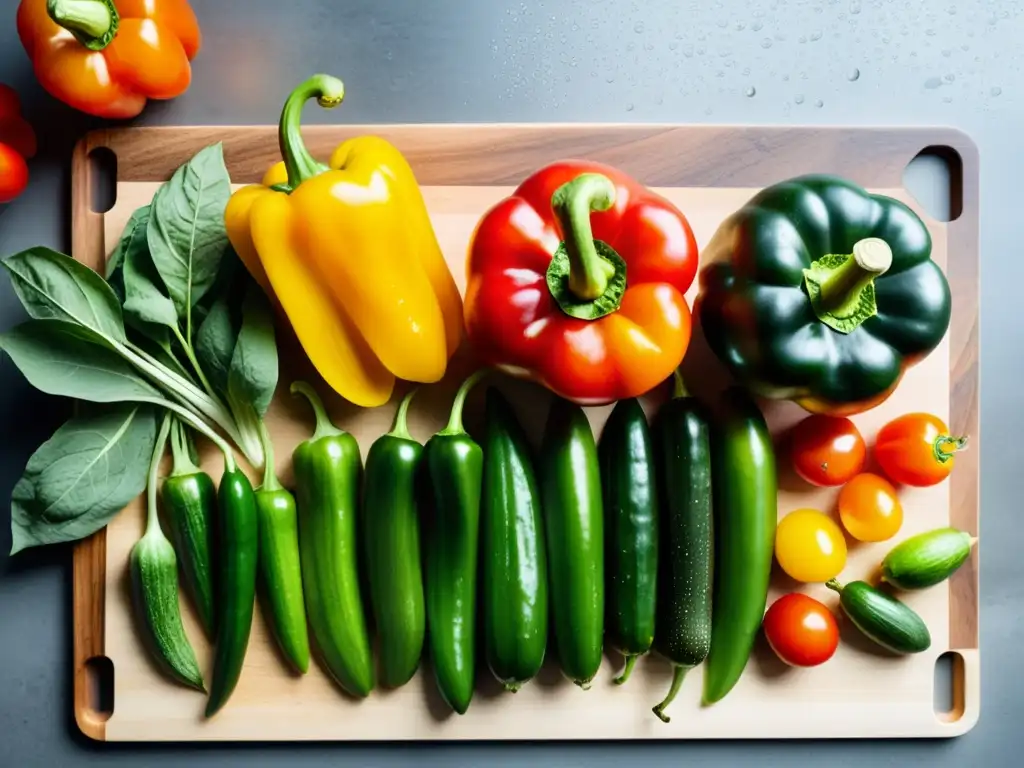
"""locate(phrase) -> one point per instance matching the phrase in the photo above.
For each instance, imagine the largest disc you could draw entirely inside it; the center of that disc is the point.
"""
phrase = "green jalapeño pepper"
(819, 292)
(454, 473)
(391, 536)
(190, 504)
(328, 470)
(238, 539)
(279, 563)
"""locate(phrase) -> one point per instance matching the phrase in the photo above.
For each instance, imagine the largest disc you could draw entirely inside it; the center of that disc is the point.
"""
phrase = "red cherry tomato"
(917, 449)
(827, 450)
(13, 174)
(801, 630)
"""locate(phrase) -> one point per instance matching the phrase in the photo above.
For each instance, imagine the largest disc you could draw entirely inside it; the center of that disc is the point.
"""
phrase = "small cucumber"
(882, 617)
(927, 558)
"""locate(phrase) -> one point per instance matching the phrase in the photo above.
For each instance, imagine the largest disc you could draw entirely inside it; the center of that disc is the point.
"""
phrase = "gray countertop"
(843, 62)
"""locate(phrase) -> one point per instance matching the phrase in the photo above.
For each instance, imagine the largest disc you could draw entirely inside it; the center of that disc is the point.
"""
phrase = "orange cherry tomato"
(827, 450)
(801, 630)
(917, 449)
(13, 173)
(869, 508)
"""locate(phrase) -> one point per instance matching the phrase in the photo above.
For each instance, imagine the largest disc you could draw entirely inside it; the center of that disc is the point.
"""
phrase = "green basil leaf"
(252, 377)
(86, 473)
(215, 343)
(145, 302)
(61, 358)
(186, 233)
(51, 285)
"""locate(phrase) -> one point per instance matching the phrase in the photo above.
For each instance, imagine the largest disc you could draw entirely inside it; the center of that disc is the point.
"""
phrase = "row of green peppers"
(613, 541)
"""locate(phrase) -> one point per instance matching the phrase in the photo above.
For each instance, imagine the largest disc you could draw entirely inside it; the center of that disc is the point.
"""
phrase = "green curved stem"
(678, 675)
(324, 426)
(270, 481)
(93, 22)
(455, 420)
(400, 426)
(627, 670)
(187, 416)
(572, 203)
(834, 585)
(183, 464)
(159, 448)
(301, 165)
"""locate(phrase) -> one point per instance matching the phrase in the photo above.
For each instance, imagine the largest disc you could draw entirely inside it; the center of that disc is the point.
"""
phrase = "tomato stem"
(945, 446)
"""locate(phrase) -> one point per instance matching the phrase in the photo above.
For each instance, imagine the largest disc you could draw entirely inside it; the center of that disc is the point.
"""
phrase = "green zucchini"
(574, 524)
(882, 617)
(927, 558)
(514, 569)
(631, 532)
(745, 514)
(683, 448)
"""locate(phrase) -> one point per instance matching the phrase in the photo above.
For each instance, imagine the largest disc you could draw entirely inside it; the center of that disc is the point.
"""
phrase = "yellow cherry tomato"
(809, 546)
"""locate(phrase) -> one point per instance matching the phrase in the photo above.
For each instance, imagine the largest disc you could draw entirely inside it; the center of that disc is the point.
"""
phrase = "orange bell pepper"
(107, 57)
(17, 144)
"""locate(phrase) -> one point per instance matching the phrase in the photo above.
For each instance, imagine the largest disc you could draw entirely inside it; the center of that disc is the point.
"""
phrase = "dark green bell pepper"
(819, 292)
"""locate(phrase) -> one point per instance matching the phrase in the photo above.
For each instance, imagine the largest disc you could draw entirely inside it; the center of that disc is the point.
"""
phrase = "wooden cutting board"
(708, 172)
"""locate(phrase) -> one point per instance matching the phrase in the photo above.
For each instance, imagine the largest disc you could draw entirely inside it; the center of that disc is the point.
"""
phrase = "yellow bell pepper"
(348, 252)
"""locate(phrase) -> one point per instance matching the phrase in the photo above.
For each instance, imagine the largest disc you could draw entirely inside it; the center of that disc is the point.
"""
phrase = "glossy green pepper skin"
(763, 295)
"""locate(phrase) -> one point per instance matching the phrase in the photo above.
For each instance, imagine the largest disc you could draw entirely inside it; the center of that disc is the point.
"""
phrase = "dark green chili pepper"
(454, 474)
(391, 530)
(328, 470)
(190, 504)
(238, 537)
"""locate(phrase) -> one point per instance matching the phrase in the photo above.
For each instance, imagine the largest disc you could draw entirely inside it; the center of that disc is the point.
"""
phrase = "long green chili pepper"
(279, 562)
(328, 470)
(454, 474)
(190, 504)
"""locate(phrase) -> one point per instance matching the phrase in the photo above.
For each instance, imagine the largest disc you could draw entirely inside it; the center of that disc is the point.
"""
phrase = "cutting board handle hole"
(102, 179)
(935, 179)
(99, 674)
(949, 698)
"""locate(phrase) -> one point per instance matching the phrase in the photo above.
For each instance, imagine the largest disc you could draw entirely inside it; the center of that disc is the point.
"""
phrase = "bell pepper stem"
(270, 481)
(678, 675)
(93, 22)
(324, 426)
(159, 448)
(300, 164)
(455, 420)
(679, 389)
(572, 203)
(400, 426)
(871, 257)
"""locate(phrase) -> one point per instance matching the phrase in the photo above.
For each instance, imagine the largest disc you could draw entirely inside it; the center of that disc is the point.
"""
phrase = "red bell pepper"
(577, 281)
(17, 143)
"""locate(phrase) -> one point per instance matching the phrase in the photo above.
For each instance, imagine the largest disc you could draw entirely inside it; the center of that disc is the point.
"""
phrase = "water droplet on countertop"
(610, 79)
(951, 10)
(853, 75)
(701, 50)
(638, 27)
(746, 71)
(965, 47)
(722, 23)
(995, 90)
(673, 45)
(886, 39)
(688, 51)
(799, 98)
(855, 6)
(740, 26)
(802, 39)
(766, 43)
(947, 52)
(751, 92)
(815, 35)
(950, 77)
(819, 103)
(708, 110)
(629, 107)
(785, 78)
(660, 99)
(930, 32)
(757, 26)
(630, 46)
(932, 83)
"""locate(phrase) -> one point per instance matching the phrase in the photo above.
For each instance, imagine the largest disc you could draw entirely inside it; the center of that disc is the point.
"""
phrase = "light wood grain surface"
(708, 172)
